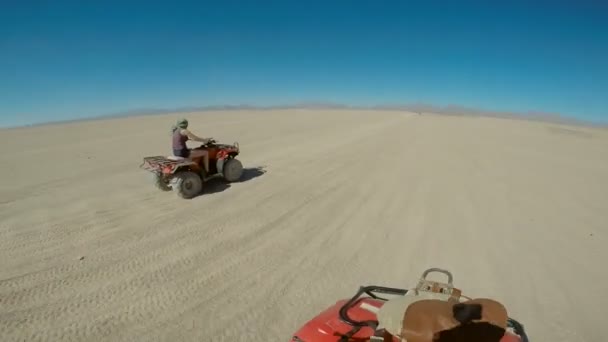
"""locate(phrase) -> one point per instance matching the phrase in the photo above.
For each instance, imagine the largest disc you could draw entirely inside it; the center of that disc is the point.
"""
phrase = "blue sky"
(69, 59)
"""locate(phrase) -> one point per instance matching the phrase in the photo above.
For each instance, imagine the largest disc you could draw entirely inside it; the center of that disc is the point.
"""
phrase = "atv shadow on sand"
(216, 185)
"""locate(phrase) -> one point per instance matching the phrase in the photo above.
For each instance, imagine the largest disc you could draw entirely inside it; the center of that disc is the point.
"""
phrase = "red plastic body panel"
(219, 151)
(328, 327)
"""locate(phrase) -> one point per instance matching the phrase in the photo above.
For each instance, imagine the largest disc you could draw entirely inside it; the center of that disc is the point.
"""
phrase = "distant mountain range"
(453, 110)
(457, 110)
(421, 108)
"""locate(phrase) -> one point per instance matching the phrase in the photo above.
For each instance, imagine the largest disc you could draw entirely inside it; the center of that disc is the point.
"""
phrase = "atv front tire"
(187, 184)
(232, 170)
(160, 182)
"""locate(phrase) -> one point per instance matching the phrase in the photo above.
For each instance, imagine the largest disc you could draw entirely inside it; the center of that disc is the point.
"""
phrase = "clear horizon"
(67, 60)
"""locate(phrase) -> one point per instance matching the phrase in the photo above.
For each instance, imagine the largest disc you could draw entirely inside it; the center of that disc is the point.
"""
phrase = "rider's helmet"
(182, 123)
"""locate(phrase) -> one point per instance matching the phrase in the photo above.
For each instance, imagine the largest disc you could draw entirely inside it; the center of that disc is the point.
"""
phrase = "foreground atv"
(430, 312)
(186, 176)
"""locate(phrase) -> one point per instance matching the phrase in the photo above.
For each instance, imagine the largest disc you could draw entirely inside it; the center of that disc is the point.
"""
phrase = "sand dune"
(331, 200)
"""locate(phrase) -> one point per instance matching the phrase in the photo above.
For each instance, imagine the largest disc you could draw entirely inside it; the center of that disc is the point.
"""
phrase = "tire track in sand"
(373, 201)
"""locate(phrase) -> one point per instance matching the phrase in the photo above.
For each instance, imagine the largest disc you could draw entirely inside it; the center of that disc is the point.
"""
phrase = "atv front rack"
(372, 292)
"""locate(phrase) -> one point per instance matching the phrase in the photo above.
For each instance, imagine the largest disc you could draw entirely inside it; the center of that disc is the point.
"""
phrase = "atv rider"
(181, 134)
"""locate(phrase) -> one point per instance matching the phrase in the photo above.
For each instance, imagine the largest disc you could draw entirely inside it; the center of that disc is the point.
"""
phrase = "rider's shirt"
(179, 139)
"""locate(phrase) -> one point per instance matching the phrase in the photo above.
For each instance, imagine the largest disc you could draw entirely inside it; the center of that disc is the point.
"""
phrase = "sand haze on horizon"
(90, 250)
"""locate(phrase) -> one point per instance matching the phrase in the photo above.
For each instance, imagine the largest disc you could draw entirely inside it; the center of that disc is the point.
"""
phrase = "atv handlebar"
(211, 141)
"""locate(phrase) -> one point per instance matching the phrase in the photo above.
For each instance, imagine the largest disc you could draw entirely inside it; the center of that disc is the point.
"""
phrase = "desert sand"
(330, 200)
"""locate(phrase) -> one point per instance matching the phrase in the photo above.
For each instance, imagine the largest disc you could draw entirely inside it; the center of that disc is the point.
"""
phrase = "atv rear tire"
(160, 182)
(187, 184)
(232, 170)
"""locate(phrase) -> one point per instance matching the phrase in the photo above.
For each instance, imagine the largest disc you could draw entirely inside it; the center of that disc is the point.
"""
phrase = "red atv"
(186, 176)
(430, 312)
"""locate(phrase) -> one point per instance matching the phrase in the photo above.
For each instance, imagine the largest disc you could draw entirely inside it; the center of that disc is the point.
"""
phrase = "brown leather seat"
(434, 311)
(477, 320)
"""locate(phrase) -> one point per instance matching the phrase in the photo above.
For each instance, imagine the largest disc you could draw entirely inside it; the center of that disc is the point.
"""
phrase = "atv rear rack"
(163, 164)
